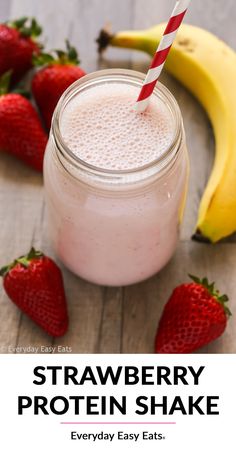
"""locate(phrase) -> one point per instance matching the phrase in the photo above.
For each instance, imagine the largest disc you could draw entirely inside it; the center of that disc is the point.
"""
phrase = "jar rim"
(117, 75)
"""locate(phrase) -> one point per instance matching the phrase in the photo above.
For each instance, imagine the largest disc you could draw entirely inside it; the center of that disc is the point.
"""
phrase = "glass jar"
(115, 227)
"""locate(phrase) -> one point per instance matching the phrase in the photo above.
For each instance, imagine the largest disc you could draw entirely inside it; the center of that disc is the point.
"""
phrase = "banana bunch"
(207, 67)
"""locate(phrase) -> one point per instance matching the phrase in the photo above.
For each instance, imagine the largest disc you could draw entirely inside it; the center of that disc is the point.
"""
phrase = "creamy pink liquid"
(114, 235)
(102, 128)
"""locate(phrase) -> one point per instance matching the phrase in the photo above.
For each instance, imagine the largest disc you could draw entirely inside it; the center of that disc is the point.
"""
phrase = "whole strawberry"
(34, 283)
(194, 316)
(53, 79)
(21, 133)
(17, 46)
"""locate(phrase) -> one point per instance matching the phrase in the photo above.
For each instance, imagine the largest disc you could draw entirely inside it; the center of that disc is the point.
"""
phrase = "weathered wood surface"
(113, 319)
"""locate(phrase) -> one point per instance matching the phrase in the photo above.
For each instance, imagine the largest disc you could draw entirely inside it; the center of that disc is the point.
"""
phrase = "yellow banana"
(207, 67)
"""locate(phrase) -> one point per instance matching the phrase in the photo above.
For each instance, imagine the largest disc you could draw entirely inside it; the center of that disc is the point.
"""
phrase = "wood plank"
(89, 310)
(199, 135)
(210, 15)
(4, 10)
(85, 304)
(111, 325)
(216, 17)
(144, 302)
(21, 203)
(79, 21)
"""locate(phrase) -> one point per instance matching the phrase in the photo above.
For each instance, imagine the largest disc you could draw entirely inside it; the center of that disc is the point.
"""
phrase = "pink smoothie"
(102, 128)
(109, 232)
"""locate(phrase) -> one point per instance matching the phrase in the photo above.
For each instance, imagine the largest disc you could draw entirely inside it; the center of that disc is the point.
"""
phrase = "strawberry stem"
(27, 27)
(68, 56)
(5, 82)
(43, 59)
(24, 260)
(210, 287)
(72, 53)
(33, 253)
(22, 91)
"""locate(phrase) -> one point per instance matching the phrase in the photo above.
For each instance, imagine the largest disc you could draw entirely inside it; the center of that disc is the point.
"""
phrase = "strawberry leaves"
(68, 56)
(210, 287)
(24, 260)
(43, 59)
(5, 82)
(27, 27)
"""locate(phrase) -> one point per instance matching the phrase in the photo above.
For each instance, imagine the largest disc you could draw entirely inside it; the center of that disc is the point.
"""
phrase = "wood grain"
(104, 319)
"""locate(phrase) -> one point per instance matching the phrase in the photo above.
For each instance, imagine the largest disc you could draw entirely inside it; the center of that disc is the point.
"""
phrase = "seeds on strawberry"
(34, 283)
(194, 316)
(49, 83)
(21, 133)
(17, 46)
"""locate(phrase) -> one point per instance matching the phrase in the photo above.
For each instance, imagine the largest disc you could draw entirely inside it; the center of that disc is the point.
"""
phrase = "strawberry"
(53, 79)
(34, 283)
(194, 316)
(17, 46)
(21, 132)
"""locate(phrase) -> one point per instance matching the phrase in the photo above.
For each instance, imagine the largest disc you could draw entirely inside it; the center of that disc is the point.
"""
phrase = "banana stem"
(136, 40)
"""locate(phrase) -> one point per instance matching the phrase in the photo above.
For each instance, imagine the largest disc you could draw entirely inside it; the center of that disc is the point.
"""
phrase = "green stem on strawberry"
(210, 287)
(27, 27)
(69, 56)
(24, 260)
(5, 82)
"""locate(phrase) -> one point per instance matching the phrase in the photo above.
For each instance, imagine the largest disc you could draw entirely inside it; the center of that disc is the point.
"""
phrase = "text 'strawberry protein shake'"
(115, 180)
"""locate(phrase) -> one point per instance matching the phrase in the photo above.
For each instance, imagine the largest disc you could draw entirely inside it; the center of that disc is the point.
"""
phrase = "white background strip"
(167, 40)
(153, 74)
(180, 7)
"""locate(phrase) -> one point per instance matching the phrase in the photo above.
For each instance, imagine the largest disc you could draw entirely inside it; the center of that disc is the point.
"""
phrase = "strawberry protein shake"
(115, 180)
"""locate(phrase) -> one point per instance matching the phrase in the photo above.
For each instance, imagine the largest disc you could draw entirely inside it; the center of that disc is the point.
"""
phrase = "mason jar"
(115, 227)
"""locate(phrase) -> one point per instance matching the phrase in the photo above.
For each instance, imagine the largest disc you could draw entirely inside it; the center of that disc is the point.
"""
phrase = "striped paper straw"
(160, 56)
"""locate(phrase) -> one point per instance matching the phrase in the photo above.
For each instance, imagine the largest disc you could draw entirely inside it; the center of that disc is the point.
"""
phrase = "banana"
(207, 67)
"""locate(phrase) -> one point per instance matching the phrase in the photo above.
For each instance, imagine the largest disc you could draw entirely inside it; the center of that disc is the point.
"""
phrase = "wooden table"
(114, 320)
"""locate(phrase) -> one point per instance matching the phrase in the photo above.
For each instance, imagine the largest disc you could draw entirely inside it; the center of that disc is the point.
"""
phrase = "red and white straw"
(160, 56)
